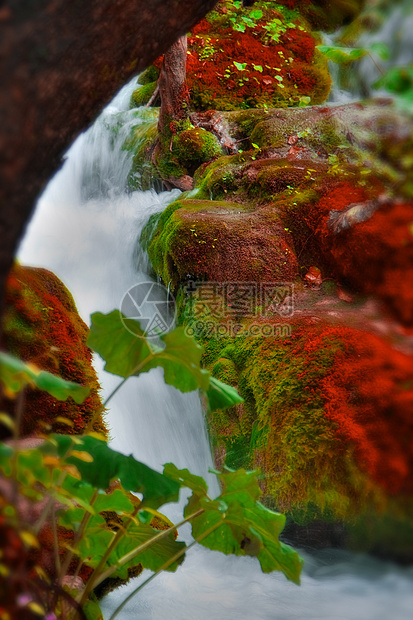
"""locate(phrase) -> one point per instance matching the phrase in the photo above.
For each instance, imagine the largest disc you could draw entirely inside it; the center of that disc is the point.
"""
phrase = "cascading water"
(85, 230)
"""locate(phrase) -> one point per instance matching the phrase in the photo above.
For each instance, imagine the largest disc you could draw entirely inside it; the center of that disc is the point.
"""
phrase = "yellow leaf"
(51, 461)
(64, 420)
(4, 571)
(7, 421)
(41, 573)
(37, 609)
(29, 539)
(83, 456)
(99, 436)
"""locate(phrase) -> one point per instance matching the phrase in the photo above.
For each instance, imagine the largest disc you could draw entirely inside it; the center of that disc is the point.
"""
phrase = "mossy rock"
(219, 241)
(142, 95)
(41, 325)
(323, 417)
(265, 62)
(196, 146)
(151, 74)
(141, 142)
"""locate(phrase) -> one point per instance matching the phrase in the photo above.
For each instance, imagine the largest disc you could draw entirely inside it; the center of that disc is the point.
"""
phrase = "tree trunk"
(172, 86)
(60, 62)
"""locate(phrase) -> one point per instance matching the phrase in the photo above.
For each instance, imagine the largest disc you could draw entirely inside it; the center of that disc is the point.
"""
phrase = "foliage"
(58, 489)
(398, 81)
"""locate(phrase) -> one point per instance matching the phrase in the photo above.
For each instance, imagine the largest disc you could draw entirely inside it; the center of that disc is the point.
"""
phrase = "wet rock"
(41, 325)
(221, 242)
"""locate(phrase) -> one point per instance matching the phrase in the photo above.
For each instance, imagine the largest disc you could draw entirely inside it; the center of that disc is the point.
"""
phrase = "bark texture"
(60, 63)
(172, 85)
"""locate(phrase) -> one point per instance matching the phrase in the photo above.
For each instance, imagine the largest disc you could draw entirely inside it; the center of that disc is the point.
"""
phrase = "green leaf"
(108, 464)
(241, 66)
(154, 557)
(258, 68)
(342, 55)
(221, 396)
(92, 610)
(186, 479)
(381, 50)
(15, 375)
(236, 523)
(126, 354)
(256, 14)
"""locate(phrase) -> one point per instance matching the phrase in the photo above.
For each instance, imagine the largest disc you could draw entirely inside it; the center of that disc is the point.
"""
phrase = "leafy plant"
(398, 81)
(76, 490)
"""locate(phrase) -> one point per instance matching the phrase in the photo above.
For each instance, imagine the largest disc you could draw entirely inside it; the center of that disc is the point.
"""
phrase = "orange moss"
(41, 325)
(328, 415)
(275, 73)
(374, 256)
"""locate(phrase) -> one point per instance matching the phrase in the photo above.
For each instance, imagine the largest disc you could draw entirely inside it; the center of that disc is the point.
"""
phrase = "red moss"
(285, 66)
(368, 394)
(41, 325)
(374, 256)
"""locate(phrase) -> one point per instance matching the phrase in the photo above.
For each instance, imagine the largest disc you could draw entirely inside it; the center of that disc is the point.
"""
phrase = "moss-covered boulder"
(219, 241)
(142, 95)
(41, 325)
(328, 411)
(259, 56)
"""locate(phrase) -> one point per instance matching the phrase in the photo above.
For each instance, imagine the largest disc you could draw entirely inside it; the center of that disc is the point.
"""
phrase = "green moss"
(179, 240)
(141, 95)
(141, 142)
(41, 325)
(151, 74)
(195, 146)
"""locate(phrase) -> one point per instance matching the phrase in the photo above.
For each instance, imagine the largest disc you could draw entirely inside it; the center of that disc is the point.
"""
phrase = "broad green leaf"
(244, 526)
(342, 55)
(126, 354)
(108, 464)
(256, 14)
(221, 396)
(186, 479)
(181, 360)
(123, 352)
(15, 374)
(154, 557)
(258, 68)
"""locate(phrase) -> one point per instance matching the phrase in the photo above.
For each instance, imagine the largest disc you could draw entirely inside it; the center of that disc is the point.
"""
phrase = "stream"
(85, 230)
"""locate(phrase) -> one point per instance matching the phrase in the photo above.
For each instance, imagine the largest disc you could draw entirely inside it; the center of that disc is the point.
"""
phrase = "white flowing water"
(85, 230)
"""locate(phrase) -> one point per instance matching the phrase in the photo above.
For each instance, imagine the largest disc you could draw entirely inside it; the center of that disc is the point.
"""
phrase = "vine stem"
(78, 536)
(163, 567)
(95, 579)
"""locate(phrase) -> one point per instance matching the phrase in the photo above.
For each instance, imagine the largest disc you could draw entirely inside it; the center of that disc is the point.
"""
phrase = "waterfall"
(85, 230)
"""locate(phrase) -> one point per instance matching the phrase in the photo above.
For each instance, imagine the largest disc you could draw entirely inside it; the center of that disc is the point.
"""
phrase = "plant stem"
(376, 64)
(78, 536)
(163, 567)
(55, 542)
(95, 579)
(42, 519)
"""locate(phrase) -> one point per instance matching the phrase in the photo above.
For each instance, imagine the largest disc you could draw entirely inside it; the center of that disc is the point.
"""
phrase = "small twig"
(153, 97)
(56, 542)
